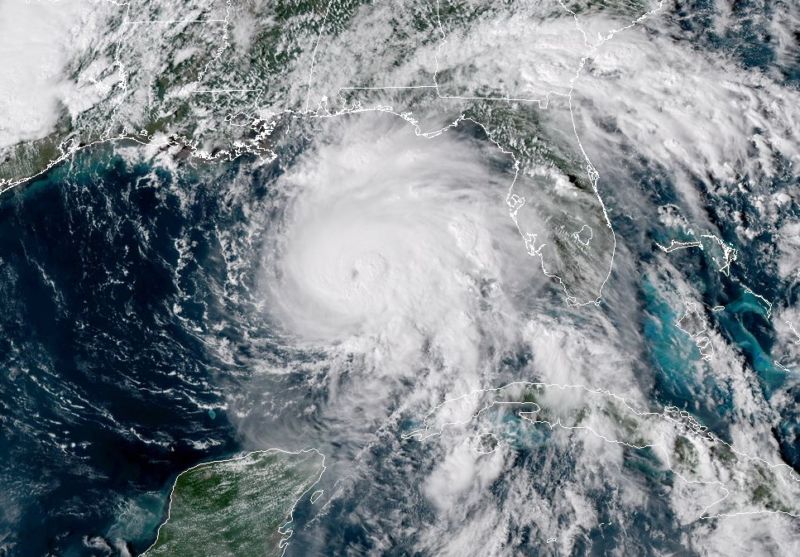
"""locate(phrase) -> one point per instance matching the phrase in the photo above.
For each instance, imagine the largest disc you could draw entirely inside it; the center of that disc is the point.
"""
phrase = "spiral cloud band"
(393, 240)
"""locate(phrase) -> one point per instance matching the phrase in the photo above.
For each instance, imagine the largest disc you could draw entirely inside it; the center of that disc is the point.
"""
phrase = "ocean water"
(107, 394)
(131, 322)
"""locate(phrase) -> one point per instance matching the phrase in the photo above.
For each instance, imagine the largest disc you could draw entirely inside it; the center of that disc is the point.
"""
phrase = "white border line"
(282, 529)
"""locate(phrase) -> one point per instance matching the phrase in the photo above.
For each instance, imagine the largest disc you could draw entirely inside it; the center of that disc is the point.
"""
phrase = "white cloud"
(390, 245)
(36, 40)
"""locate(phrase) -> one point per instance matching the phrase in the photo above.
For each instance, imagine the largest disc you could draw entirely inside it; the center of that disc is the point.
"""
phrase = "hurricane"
(431, 278)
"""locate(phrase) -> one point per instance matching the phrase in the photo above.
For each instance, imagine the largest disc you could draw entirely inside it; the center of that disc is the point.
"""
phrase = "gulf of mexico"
(106, 392)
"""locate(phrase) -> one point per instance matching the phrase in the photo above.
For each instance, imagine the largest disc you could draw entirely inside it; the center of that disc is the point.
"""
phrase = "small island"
(237, 507)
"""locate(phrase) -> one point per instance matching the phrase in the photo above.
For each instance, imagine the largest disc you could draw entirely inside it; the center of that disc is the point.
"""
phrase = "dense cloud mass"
(389, 233)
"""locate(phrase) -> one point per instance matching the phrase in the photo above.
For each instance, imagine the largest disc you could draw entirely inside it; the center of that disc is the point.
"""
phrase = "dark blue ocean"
(107, 390)
(123, 334)
(117, 297)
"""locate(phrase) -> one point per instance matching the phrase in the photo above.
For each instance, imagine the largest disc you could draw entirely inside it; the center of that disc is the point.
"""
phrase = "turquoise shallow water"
(117, 280)
(123, 334)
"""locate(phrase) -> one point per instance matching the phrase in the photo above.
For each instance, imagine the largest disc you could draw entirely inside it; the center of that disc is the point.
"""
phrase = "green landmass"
(236, 507)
